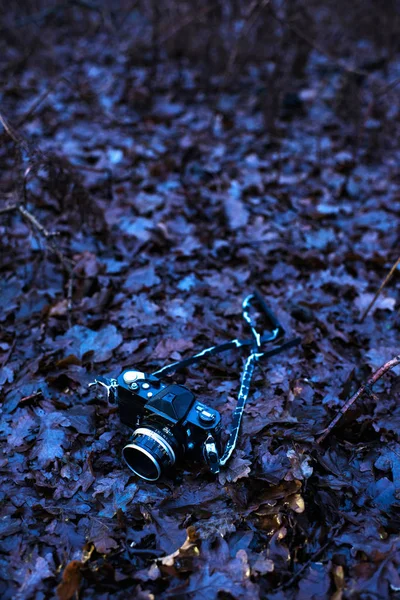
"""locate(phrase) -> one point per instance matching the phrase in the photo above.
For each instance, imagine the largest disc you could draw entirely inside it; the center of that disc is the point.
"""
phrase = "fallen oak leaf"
(237, 468)
(169, 531)
(21, 429)
(99, 535)
(315, 583)
(363, 301)
(82, 341)
(32, 575)
(218, 525)
(376, 356)
(236, 212)
(115, 484)
(218, 573)
(207, 585)
(274, 467)
(300, 467)
(296, 503)
(263, 565)
(51, 440)
(71, 579)
(181, 560)
(72, 575)
(169, 347)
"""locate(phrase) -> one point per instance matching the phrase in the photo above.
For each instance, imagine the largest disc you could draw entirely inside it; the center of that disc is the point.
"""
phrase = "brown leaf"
(71, 579)
(167, 347)
(237, 468)
(181, 560)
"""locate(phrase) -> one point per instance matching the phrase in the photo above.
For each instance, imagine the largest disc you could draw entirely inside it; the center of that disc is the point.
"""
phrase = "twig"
(9, 208)
(34, 18)
(371, 394)
(296, 576)
(9, 353)
(365, 386)
(336, 61)
(47, 12)
(14, 135)
(146, 551)
(315, 46)
(165, 36)
(41, 229)
(31, 396)
(37, 102)
(69, 297)
(28, 216)
(388, 87)
(384, 282)
(254, 13)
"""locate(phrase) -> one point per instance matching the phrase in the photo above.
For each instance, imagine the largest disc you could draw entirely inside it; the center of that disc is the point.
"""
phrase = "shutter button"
(206, 417)
(132, 376)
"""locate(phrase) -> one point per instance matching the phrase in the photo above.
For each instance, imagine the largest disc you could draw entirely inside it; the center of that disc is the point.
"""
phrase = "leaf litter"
(169, 193)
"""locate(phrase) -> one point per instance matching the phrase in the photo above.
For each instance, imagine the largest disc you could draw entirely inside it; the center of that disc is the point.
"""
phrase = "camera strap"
(256, 352)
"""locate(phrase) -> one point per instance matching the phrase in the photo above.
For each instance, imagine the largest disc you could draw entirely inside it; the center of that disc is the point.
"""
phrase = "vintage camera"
(169, 424)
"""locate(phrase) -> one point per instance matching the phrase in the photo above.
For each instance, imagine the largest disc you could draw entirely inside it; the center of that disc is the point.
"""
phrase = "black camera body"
(168, 423)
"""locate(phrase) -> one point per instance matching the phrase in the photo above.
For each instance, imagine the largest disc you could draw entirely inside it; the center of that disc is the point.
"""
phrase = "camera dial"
(150, 452)
(132, 376)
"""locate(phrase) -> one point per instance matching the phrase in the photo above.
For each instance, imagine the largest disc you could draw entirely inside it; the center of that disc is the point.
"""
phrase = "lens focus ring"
(148, 453)
(157, 438)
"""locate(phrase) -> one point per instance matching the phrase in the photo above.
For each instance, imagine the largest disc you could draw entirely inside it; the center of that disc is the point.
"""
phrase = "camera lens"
(149, 452)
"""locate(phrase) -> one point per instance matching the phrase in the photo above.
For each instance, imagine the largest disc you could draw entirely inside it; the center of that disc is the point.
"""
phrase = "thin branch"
(37, 102)
(165, 36)
(28, 216)
(371, 394)
(366, 387)
(340, 63)
(10, 208)
(316, 46)
(9, 353)
(70, 288)
(14, 135)
(254, 13)
(37, 226)
(384, 282)
(316, 554)
(30, 397)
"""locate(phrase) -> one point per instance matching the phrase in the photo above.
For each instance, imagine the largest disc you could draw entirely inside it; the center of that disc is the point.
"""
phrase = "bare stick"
(167, 35)
(336, 61)
(14, 135)
(254, 13)
(314, 44)
(69, 297)
(384, 282)
(28, 216)
(30, 397)
(9, 353)
(295, 577)
(36, 226)
(9, 208)
(35, 18)
(37, 102)
(365, 386)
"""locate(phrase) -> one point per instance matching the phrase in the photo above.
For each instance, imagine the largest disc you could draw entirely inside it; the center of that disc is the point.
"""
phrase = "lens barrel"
(150, 452)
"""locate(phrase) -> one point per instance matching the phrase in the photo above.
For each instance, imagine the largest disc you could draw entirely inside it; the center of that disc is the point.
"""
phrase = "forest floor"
(172, 199)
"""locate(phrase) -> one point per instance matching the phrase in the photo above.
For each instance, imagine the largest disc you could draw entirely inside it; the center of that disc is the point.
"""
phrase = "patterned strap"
(277, 332)
(243, 395)
(211, 351)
